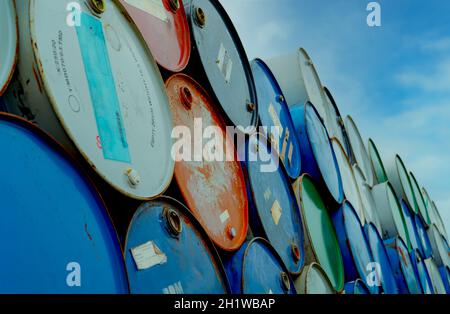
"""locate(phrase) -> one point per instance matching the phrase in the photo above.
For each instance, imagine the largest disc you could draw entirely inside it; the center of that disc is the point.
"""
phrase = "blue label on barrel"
(102, 89)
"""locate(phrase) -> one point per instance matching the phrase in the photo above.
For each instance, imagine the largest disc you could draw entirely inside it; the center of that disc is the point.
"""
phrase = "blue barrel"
(167, 252)
(402, 266)
(274, 113)
(421, 272)
(410, 223)
(356, 287)
(317, 154)
(380, 257)
(354, 247)
(424, 241)
(273, 209)
(56, 234)
(445, 274)
(257, 269)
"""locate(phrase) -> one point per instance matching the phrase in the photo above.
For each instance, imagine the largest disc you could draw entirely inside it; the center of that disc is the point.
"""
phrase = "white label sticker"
(176, 288)
(148, 255)
(225, 63)
(224, 217)
(276, 212)
(153, 7)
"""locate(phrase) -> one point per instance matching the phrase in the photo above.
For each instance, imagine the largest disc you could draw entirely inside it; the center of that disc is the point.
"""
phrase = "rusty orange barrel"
(214, 190)
(164, 27)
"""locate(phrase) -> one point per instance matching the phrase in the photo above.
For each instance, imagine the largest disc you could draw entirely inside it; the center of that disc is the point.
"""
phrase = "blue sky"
(394, 79)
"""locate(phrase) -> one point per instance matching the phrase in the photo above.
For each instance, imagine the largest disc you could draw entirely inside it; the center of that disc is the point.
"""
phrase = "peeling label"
(225, 63)
(153, 7)
(176, 288)
(148, 255)
(224, 217)
(276, 212)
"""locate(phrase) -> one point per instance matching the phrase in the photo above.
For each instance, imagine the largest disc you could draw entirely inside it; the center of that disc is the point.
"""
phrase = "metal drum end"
(200, 17)
(97, 6)
(186, 97)
(174, 5)
(285, 281)
(173, 219)
(296, 253)
(251, 107)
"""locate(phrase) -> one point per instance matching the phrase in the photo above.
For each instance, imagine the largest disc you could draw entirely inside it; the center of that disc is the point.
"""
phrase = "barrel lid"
(273, 112)
(436, 279)
(225, 62)
(320, 232)
(368, 203)
(61, 223)
(165, 29)
(9, 46)
(275, 207)
(108, 94)
(445, 275)
(349, 183)
(377, 162)
(422, 235)
(419, 199)
(323, 152)
(410, 223)
(438, 219)
(333, 120)
(441, 255)
(207, 184)
(313, 280)
(357, 287)
(380, 256)
(167, 252)
(359, 150)
(405, 187)
(422, 273)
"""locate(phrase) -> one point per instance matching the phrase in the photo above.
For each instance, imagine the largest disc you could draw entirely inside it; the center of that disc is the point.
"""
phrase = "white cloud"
(436, 79)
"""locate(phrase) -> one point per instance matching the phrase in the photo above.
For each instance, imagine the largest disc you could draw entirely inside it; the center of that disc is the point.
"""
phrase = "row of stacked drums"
(92, 209)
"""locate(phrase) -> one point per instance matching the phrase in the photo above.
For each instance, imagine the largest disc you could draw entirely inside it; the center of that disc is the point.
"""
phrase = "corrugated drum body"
(274, 213)
(318, 157)
(165, 30)
(273, 112)
(321, 244)
(8, 49)
(52, 220)
(214, 190)
(161, 260)
(96, 84)
(257, 269)
(313, 280)
(224, 61)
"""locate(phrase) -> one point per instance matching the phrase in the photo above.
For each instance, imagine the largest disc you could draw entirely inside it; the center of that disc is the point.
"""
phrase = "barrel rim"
(316, 266)
(358, 283)
(302, 51)
(372, 148)
(185, 211)
(15, 48)
(399, 163)
(420, 196)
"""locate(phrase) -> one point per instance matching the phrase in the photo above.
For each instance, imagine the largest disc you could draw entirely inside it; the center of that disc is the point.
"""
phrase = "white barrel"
(368, 203)
(9, 42)
(359, 150)
(333, 121)
(88, 79)
(437, 220)
(390, 213)
(349, 183)
(436, 279)
(298, 79)
(419, 199)
(313, 280)
(439, 247)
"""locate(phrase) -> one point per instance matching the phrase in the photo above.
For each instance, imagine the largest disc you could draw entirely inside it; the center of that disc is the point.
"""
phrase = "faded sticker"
(148, 255)
(153, 7)
(224, 217)
(225, 63)
(276, 212)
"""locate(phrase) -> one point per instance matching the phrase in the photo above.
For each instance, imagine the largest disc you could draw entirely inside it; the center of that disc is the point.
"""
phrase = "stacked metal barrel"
(97, 196)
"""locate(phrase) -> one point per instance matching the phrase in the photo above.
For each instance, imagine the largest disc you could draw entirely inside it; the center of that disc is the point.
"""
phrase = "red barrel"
(214, 190)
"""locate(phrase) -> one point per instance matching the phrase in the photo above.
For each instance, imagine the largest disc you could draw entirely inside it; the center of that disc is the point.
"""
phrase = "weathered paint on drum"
(380, 257)
(359, 150)
(355, 250)
(410, 223)
(274, 113)
(390, 213)
(313, 280)
(321, 244)
(299, 80)
(165, 29)
(377, 163)
(445, 275)
(435, 275)
(56, 234)
(400, 181)
(96, 88)
(401, 263)
(9, 47)
(221, 56)
(423, 212)
(273, 209)
(441, 255)
(167, 252)
(357, 287)
(424, 241)
(349, 184)
(214, 191)
(257, 269)
(318, 157)
(368, 203)
(422, 272)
